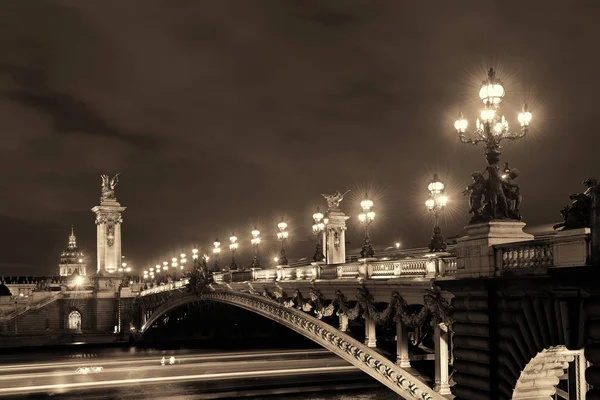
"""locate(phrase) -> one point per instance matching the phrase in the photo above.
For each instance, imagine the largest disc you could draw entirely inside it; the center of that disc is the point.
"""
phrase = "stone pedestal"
(475, 252)
(108, 223)
(571, 248)
(336, 237)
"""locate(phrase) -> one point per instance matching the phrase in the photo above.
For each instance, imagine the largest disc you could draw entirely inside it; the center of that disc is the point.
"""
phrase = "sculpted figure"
(578, 214)
(334, 200)
(498, 205)
(476, 191)
(512, 191)
(108, 187)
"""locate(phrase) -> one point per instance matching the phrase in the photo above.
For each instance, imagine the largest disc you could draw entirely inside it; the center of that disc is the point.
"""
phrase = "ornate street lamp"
(233, 245)
(366, 218)
(318, 229)
(255, 242)
(435, 204)
(216, 251)
(166, 271)
(174, 267)
(195, 259)
(502, 198)
(282, 235)
(182, 263)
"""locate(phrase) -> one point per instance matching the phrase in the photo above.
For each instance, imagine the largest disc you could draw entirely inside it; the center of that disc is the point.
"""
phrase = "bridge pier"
(441, 359)
(370, 332)
(402, 356)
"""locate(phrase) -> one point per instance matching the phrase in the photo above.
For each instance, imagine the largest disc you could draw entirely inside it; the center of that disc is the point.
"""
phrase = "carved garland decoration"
(330, 337)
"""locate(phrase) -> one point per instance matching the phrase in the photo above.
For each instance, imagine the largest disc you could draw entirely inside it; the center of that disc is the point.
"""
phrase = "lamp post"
(216, 251)
(255, 242)
(195, 259)
(174, 268)
(366, 218)
(502, 198)
(282, 235)
(182, 263)
(166, 271)
(318, 229)
(435, 204)
(233, 245)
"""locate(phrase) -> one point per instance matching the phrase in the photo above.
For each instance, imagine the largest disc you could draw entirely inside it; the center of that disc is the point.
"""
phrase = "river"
(110, 372)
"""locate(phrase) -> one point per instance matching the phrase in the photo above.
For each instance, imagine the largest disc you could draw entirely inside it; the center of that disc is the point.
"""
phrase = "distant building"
(71, 259)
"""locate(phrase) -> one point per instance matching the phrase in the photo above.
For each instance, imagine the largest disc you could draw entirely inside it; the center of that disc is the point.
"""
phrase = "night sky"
(222, 115)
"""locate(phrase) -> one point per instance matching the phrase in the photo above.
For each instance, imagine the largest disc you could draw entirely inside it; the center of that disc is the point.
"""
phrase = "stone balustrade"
(433, 266)
(565, 249)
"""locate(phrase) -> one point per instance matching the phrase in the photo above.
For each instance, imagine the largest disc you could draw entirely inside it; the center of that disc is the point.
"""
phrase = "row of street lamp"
(490, 128)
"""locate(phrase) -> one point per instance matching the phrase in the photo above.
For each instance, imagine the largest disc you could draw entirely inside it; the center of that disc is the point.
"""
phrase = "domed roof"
(4, 290)
(71, 255)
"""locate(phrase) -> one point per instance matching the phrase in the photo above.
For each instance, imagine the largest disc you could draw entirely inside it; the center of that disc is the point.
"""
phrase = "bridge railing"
(433, 266)
(419, 267)
(565, 249)
(165, 287)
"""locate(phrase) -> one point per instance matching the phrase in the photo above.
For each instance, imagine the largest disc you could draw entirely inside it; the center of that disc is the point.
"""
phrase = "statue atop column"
(334, 200)
(108, 187)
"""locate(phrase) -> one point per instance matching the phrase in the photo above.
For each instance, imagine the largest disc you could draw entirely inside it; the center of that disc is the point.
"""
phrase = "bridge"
(507, 312)
(501, 314)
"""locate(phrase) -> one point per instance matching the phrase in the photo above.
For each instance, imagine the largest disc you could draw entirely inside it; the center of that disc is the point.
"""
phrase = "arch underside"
(368, 360)
(541, 375)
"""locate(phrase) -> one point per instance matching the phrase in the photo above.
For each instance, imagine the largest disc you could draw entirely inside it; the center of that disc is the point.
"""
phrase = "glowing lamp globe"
(318, 216)
(442, 201)
(282, 225)
(491, 90)
(435, 186)
(524, 117)
(461, 124)
(430, 204)
(366, 204)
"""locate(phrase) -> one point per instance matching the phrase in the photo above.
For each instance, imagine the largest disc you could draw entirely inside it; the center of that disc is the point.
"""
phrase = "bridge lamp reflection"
(435, 205)
(366, 218)
(282, 236)
(255, 241)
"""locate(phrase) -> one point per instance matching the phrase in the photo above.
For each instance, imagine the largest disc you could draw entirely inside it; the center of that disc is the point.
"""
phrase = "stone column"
(343, 318)
(370, 333)
(336, 237)
(108, 221)
(441, 359)
(402, 355)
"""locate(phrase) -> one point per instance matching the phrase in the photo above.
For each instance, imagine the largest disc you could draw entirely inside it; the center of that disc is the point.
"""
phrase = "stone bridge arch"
(368, 360)
(500, 328)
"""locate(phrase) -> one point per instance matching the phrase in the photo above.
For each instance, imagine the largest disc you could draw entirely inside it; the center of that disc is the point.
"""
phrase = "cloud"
(69, 114)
